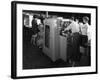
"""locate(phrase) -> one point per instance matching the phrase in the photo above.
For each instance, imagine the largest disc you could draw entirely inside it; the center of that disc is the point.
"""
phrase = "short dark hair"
(72, 18)
(34, 16)
(86, 18)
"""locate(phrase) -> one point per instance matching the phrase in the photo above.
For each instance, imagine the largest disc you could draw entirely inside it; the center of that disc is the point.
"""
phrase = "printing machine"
(55, 45)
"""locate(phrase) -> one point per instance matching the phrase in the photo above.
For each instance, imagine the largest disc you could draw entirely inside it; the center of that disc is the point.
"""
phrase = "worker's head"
(34, 16)
(72, 18)
(85, 19)
(77, 20)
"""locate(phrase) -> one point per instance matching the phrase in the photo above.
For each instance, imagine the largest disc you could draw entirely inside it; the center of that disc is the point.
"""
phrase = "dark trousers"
(75, 47)
(83, 40)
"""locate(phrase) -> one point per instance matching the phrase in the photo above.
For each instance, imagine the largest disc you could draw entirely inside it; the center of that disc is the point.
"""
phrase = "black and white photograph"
(56, 39)
(53, 39)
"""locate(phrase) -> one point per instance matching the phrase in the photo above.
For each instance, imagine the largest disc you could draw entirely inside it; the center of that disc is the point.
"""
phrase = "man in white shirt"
(74, 26)
(85, 31)
(86, 19)
(75, 41)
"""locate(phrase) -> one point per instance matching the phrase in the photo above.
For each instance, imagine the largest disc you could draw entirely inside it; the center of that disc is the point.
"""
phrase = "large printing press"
(56, 41)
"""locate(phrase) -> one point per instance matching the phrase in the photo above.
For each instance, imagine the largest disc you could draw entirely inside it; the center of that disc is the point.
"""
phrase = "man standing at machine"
(75, 42)
(35, 29)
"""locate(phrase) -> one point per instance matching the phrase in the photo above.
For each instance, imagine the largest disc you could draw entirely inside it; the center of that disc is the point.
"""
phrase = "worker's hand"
(63, 31)
(64, 34)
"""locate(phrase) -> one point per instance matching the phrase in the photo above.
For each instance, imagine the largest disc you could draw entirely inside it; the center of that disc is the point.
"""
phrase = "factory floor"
(34, 58)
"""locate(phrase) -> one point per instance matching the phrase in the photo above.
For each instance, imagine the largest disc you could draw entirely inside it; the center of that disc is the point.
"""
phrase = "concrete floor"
(34, 58)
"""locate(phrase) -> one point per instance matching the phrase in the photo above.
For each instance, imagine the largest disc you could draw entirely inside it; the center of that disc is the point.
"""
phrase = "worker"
(75, 42)
(85, 31)
(35, 29)
(40, 36)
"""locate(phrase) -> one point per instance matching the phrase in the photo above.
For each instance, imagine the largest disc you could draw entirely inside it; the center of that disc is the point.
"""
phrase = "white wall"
(5, 39)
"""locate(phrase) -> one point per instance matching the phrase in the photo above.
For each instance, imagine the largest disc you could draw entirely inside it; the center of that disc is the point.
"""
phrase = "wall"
(5, 39)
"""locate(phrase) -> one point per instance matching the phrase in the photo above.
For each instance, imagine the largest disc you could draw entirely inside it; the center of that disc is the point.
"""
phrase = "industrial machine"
(55, 45)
